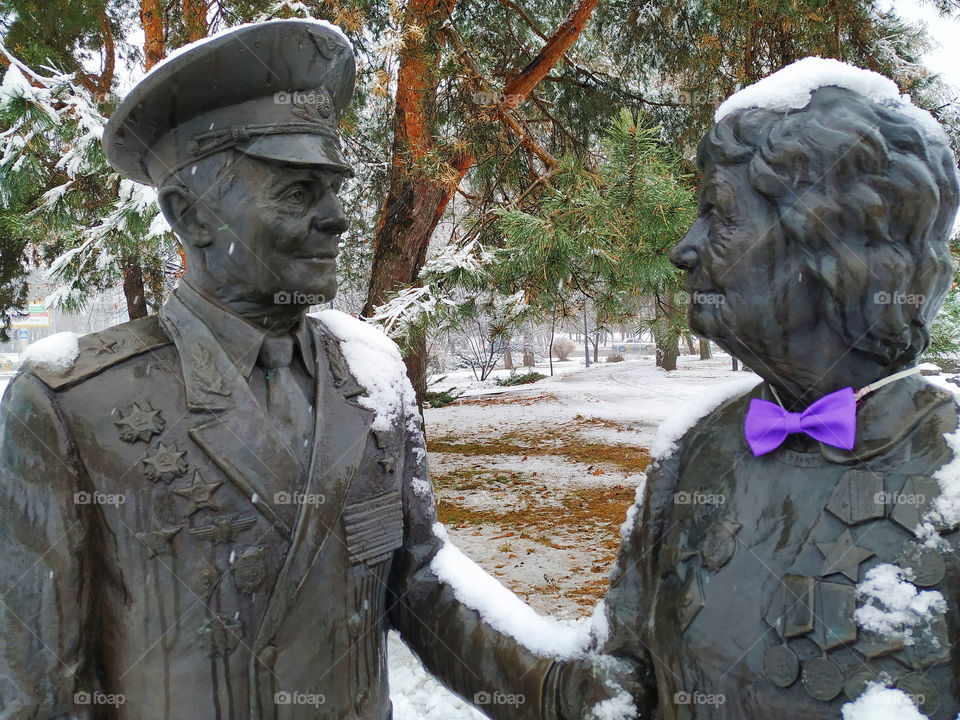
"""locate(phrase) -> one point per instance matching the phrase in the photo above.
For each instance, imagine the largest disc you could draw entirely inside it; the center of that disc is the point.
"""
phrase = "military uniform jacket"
(160, 560)
(737, 579)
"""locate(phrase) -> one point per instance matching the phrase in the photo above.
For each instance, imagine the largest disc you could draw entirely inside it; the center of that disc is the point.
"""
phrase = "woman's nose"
(684, 254)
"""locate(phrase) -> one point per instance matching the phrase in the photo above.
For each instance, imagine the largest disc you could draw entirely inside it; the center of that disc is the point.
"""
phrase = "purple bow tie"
(832, 420)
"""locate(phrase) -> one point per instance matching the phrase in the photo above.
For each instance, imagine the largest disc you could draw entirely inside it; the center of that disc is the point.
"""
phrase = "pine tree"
(60, 201)
(693, 55)
(597, 243)
(601, 239)
(944, 346)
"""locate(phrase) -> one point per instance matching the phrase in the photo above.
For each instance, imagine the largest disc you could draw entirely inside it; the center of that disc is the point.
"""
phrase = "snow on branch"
(454, 283)
(57, 178)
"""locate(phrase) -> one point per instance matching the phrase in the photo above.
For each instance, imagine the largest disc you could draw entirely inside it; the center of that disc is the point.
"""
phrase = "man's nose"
(328, 216)
(684, 254)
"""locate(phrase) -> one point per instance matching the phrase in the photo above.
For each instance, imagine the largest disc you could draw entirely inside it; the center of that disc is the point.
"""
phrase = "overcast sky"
(944, 59)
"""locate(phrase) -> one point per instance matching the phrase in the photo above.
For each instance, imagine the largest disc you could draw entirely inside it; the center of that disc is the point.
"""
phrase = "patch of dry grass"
(579, 511)
(550, 441)
(574, 518)
(590, 515)
(505, 399)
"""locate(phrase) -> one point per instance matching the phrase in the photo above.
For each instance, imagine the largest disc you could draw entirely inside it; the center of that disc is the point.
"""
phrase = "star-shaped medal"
(158, 541)
(139, 422)
(199, 493)
(163, 463)
(844, 556)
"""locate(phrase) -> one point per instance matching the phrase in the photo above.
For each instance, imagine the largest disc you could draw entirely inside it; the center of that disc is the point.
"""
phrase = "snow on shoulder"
(375, 362)
(55, 353)
(686, 416)
(791, 89)
(507, 613)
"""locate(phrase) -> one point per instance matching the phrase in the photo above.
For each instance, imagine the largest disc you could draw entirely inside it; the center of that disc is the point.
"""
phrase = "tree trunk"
(667, 339)
(416, 362)
(416, 198)
(415, 201)
(133, 289)
(195, 19)
(586, 339)
(105, 81)
(151, 18)
(705, 352)
(507, 356)
(553, 330)
(671, 350)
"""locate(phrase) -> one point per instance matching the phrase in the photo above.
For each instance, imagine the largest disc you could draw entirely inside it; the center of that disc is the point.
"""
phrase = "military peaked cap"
(273, 90)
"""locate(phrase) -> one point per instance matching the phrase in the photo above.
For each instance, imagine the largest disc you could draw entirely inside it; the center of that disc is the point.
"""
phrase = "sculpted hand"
(600, 686)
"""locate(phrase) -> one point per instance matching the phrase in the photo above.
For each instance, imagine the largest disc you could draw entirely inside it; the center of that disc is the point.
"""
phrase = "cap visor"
(297, 149)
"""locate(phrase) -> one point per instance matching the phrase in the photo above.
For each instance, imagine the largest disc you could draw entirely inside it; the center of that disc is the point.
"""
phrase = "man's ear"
(179, 207)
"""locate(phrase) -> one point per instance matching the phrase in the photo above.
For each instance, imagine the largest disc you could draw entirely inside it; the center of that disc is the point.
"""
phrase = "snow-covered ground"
(416, 695)
(633, 396)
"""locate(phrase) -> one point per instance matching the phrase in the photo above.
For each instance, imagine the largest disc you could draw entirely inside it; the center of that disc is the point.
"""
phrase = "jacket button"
(360, 699)
(268, 656)
(355, 624)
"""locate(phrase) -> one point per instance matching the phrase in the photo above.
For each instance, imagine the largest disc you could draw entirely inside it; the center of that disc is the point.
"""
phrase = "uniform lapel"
(227, 421)
(340, 437)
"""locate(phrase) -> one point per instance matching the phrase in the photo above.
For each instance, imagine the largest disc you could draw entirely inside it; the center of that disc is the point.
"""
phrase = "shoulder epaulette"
(100, 350)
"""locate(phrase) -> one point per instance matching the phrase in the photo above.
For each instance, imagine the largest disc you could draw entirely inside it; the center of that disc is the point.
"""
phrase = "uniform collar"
(884, 417)
(240, 339)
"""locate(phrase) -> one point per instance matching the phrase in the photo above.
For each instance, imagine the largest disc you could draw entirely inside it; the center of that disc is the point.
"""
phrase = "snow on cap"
(235, 28)
(792, 87)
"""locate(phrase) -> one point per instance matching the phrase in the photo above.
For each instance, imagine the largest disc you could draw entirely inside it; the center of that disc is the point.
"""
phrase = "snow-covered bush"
(562, 347)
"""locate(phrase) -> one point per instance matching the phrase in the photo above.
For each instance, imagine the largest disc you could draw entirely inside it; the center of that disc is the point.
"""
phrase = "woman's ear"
(179, 207)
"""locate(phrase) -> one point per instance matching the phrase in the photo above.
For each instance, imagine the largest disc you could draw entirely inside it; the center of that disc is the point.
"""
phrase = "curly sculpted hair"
(868, 193)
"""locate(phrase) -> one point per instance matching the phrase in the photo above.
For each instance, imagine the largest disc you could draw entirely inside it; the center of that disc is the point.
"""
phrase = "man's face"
(276, 231)
(746, 285)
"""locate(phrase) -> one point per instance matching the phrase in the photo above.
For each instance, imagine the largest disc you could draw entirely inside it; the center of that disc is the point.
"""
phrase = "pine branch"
(503, 109)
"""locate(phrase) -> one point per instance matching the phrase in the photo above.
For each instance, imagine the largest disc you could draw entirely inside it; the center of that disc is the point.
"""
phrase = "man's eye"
(296, 194)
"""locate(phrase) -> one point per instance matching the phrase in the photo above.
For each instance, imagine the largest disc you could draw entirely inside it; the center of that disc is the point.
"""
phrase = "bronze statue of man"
(750, 580)
(219, 512)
